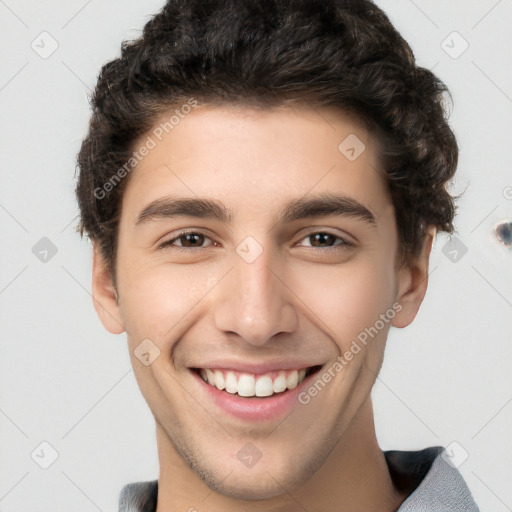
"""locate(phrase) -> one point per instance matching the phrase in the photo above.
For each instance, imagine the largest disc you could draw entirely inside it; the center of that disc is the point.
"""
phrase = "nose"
(255, 301)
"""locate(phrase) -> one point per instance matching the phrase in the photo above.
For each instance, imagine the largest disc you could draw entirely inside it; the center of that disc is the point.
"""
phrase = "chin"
(260, 486)
(261, 482)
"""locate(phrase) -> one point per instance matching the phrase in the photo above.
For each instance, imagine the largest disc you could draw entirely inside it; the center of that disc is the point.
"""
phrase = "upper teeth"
(247, 384)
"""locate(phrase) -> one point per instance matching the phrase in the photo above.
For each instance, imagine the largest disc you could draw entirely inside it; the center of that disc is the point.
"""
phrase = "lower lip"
(254, 408)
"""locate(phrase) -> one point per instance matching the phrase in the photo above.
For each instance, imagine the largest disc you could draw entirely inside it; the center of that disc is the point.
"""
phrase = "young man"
(262, 182)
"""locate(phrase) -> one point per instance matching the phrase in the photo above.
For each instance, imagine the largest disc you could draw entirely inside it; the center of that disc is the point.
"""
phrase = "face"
(257, 254)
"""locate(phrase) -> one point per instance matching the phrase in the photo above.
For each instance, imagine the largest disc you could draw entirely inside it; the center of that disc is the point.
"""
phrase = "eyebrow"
(321, 205)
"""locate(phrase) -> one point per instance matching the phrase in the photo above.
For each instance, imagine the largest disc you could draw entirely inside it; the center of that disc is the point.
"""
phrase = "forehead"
(258, 159)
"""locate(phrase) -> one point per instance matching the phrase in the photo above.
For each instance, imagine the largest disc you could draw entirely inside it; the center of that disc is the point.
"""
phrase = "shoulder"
(139, 497)
(434, 484)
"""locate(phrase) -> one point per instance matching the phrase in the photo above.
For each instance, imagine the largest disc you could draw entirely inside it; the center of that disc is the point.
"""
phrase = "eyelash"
(169, 243)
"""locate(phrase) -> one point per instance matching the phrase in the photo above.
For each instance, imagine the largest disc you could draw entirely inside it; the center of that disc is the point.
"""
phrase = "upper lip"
(258, 367)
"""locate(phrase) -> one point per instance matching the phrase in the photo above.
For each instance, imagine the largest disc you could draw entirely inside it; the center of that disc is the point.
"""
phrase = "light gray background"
(66, 381)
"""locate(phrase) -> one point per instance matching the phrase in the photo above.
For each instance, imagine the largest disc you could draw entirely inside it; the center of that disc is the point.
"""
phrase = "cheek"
(349, 298)
(157, 299)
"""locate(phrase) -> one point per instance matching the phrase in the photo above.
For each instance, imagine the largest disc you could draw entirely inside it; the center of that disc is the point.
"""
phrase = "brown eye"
(191, 240)
(323, 239)
(187, 239)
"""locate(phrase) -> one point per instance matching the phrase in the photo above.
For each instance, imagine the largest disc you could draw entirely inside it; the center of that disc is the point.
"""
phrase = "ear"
(413, 282)
(104, 294)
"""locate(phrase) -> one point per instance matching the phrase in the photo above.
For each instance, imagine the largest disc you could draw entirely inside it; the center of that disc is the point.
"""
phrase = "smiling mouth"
(249, 385)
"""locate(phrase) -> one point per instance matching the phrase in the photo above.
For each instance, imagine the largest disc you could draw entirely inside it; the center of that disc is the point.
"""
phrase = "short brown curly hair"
(344, 54)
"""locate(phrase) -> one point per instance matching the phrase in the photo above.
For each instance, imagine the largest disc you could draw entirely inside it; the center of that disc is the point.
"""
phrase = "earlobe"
(413, 282)
(104, 295)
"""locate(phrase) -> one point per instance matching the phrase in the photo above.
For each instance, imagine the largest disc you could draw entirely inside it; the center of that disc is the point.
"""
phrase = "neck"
(353, 478)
